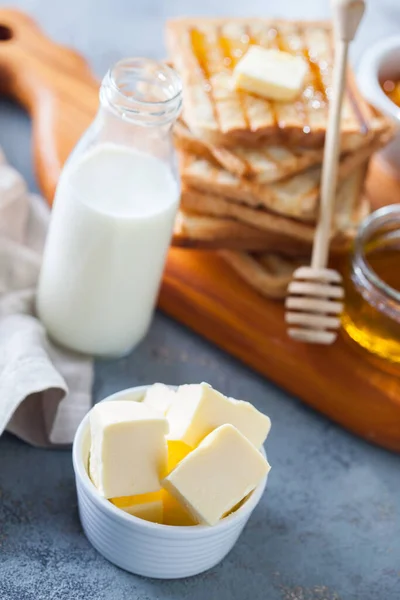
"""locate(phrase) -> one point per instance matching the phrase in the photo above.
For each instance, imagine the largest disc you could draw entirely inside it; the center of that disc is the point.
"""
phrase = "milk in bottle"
(113, 216)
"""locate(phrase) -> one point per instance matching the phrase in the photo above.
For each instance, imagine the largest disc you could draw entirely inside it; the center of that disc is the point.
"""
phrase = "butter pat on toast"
(270, 73)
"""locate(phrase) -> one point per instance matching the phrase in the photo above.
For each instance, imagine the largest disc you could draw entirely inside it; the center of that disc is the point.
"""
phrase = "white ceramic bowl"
(144, 548)
(381, 62)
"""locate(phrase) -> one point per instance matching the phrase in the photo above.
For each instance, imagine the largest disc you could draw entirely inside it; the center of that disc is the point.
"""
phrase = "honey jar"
(372, 308)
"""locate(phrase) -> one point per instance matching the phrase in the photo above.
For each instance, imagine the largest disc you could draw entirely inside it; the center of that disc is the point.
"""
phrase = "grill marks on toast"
(263, 164)
(230, 57)
(273, 163)
(215, 46)
(199, 45)
(296, 197)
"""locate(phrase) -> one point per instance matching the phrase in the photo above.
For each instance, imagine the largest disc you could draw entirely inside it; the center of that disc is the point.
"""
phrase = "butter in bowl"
(168, 478)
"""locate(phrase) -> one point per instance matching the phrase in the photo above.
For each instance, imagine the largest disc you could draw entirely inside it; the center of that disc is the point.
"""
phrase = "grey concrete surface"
(328, 527)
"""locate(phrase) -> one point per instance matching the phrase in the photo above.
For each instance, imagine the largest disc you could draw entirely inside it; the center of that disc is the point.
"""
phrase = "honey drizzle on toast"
(229, 48)
(198, 42)
(316, 93)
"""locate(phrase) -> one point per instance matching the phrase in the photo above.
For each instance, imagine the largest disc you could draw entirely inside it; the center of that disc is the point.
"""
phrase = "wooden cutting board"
(56, 87)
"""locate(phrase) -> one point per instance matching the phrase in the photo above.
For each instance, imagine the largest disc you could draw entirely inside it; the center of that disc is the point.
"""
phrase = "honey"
(392, 90)
(372, 289)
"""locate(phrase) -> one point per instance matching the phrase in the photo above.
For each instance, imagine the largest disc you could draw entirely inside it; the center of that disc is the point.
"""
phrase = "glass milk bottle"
(113, 215)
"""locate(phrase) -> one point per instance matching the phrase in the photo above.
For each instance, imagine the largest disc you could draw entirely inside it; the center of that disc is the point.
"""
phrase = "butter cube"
(270, 73)
(198, 409)
(128, 454)
(217, 475)
(159, 397)
(145, 506)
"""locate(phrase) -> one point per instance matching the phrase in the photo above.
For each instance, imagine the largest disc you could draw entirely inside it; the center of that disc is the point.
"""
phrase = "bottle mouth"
(143, 90)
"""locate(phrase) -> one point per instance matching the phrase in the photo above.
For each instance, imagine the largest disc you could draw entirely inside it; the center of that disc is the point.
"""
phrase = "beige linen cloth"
(44, 390)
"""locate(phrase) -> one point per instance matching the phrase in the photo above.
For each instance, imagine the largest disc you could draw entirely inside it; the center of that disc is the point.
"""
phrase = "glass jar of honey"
(372, 309)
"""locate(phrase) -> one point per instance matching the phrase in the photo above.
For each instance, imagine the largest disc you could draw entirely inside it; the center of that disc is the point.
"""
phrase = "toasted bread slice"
(351, 207)
(211, 233)
(200, 203)
(191, 230)
(186, 142)
(268, 273)
(215, 233)
(266, 164)
(205, 51)
(263, 165)
(295, 197)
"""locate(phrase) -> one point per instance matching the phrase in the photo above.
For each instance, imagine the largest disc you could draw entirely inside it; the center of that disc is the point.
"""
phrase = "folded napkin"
(44, 390)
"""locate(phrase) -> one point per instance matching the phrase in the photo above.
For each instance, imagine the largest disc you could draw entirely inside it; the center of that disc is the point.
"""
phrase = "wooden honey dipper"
(314, 302)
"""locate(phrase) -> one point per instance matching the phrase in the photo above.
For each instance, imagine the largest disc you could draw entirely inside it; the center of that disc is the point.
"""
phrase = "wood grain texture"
(55, 86)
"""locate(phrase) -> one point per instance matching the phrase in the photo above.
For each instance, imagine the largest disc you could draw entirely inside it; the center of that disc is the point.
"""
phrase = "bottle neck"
(142, 92)
(156, 139)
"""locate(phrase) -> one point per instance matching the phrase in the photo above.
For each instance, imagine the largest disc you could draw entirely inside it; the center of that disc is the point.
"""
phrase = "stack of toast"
(251, 167)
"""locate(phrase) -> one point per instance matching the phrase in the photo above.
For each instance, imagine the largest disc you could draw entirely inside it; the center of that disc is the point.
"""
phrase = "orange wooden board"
(57, 89)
